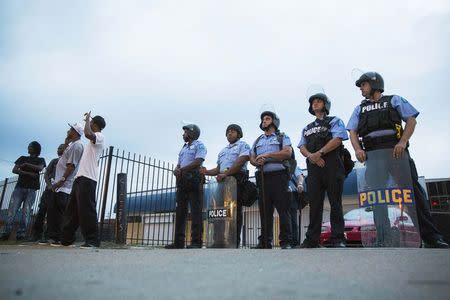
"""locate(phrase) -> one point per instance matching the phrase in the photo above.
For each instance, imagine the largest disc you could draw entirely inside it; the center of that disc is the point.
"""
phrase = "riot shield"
(387, 212)
(221, 214)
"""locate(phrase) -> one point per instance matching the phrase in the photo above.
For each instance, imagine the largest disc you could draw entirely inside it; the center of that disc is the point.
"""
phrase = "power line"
(5, 160)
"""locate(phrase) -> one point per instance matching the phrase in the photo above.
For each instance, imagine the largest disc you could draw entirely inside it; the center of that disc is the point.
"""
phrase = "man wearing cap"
(81, 210)
(66, 169)
(232, 161)
(189, 188)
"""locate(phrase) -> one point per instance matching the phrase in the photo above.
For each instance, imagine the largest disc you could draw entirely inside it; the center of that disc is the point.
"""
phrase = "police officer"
(189, 188)
(320, 143)
(232, 161)
(295, 189)
(377, 121)
(268, 153)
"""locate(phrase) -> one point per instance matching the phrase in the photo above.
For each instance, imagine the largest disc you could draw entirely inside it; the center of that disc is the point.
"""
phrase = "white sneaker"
(55, 243)
(88, 246)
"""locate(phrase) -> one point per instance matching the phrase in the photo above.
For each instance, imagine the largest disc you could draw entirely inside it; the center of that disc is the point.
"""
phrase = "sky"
(149, 66)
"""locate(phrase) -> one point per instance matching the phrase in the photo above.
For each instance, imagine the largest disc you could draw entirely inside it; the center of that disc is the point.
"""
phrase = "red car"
(360, 222)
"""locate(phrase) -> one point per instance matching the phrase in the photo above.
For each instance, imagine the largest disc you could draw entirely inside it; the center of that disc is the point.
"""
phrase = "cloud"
(145, 66)
(145, 48)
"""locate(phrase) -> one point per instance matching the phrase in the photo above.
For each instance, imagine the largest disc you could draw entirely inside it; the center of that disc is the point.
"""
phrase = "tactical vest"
(379, 115)
(318, 135)
(289, 164)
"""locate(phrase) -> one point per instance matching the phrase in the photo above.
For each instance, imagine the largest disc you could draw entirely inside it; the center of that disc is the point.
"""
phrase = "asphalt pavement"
(30, 271)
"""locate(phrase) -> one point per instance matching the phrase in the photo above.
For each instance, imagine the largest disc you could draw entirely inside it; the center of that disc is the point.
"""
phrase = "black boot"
(439, 243)
(308, 244)
(262, 246)
(174, 246)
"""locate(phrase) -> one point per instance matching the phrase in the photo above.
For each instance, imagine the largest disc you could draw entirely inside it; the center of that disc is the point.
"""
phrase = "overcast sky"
(148, 65)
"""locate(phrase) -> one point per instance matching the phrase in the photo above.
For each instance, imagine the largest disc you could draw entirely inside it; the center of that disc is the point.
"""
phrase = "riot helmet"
(374, 79)
(325, 99)
(193, 131)
(235, 127)
(275, 119)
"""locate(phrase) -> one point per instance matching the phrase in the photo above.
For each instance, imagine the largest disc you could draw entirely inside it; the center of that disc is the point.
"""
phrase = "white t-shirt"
(88, 166)
(72, 155)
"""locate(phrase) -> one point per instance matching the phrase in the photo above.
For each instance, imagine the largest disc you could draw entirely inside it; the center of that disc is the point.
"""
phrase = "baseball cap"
(77, 127)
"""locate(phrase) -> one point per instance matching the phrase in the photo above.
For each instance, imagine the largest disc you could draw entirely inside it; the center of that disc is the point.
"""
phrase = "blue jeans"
(19, 196)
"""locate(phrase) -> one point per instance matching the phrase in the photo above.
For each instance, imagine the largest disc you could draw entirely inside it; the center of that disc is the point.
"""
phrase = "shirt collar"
(233, 145)
(375, 101)
(192, 144)
(268, 136)
(73, 142)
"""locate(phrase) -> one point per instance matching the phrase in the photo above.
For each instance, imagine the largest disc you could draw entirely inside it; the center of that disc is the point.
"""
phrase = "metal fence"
(150, 201)
(150, 197)
(6, 189)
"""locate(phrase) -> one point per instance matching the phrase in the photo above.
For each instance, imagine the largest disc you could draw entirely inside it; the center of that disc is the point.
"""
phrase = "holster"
(379, 142)
(190, 180)
(241, 177)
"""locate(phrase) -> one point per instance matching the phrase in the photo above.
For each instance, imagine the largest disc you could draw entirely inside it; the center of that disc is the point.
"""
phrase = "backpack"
(346, 160)
(290, 164)
(248, 193)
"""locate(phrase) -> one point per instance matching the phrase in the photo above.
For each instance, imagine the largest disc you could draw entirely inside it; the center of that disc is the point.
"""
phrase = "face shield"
(269, 109)
(317, 91)
(192, 130)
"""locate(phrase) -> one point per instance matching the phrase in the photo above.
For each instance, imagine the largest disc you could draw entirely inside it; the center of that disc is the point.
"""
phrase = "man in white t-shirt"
(66, 168)
(81, 210)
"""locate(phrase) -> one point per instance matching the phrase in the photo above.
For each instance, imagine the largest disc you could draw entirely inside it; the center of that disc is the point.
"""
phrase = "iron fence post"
(121, 214)
(105, 191)
(3, 193)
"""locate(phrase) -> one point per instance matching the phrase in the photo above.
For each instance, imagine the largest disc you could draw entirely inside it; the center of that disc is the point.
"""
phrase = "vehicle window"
(367, 214)
(353, 215)
(358, 214)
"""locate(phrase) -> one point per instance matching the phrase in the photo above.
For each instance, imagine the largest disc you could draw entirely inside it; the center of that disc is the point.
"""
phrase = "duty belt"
(379, 142)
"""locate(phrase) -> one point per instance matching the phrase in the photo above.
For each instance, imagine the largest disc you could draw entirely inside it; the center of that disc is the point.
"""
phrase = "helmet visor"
(314, 89)
(356, 74)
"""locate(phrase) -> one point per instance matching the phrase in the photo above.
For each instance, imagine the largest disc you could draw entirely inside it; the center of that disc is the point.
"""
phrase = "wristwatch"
(322, 153)
(63, 179)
